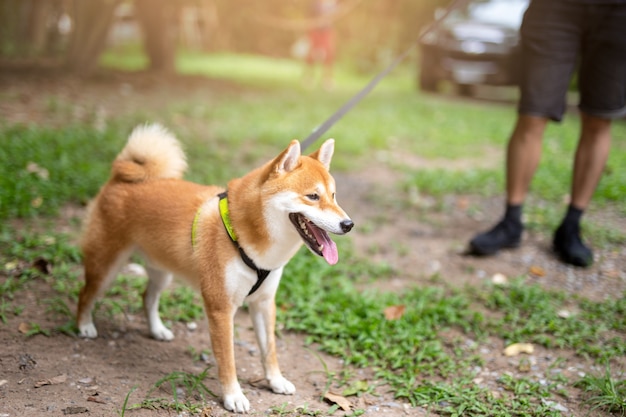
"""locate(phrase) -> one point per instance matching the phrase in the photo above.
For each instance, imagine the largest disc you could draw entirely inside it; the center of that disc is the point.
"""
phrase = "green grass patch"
(605, 392)
(412, 354)
(552, 180)
(192, 389)
(43, 169)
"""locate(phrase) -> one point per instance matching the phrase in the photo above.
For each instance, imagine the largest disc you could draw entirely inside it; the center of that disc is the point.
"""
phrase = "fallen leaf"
(555, 406)
(96, 399)
(537, 271)
(10, 266)
(517, 348)
(33, 168)
(499, 279)
(496, 394)
(564, 314)
(394, 312)
(340, 400)
(58, 379)
(42, 383)
(462, 203)
(37, 202)
(206, 412)
(23, 328)
(52, 381)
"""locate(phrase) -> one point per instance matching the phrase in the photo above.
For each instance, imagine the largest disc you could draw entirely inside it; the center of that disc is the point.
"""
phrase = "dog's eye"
(313, 197)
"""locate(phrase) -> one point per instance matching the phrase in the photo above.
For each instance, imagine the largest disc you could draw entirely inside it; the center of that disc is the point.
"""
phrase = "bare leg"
(523, 156)
(590, 160)
(591, 155)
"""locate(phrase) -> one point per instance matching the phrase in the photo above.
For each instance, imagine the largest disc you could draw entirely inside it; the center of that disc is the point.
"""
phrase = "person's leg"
(523, 155)
(590, 160)
(549, 42)
(591, 155)
(602, 85)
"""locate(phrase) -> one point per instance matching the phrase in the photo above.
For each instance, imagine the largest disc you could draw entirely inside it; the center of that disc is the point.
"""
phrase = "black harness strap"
(261, 274)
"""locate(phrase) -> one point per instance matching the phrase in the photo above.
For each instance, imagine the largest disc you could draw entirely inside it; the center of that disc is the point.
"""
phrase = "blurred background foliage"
(73, 33)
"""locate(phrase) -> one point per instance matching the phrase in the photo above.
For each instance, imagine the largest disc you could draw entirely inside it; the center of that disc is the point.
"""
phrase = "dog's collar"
(225, 215)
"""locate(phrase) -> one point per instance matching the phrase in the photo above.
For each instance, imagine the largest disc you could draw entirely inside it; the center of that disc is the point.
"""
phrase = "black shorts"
(557, 36)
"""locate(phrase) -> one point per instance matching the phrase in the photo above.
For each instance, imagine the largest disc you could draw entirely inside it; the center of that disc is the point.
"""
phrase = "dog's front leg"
(221, 328)
(263, 312)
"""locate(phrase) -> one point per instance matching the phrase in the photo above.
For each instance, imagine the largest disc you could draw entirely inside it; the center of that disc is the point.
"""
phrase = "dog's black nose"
(346, 225)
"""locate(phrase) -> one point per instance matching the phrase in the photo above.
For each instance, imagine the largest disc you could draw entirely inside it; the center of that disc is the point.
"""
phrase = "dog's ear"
(325, 153)
(289, 159)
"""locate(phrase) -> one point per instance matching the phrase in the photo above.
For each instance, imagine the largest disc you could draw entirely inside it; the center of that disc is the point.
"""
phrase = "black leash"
(321, 129)
(262, 274)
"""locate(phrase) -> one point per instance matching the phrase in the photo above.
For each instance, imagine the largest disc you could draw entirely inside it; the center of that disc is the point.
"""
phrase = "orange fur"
(146, 207)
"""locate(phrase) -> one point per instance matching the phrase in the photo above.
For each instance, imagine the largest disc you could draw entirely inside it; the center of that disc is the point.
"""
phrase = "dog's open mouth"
(316, 239)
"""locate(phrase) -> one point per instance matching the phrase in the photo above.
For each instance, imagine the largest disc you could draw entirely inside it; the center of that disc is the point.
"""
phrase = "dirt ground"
(95, 376)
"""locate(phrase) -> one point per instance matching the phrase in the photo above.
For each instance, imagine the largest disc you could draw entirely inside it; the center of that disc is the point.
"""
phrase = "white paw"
(281, 386)
(87, 331)
(162, 333)
(237, 403)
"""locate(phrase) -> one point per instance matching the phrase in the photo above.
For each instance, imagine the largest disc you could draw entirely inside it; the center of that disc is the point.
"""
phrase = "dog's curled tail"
(151, 152)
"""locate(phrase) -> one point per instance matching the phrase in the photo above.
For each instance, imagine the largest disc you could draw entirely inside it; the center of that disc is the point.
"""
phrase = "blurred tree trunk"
(158, 20)
(92, 20)
(38, 24)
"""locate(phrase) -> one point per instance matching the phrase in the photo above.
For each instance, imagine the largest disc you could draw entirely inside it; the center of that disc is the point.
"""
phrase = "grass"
(412, 356)
(604, 392)
(423, 357)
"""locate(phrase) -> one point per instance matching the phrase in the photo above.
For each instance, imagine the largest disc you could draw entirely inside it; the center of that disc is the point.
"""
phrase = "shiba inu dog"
(230, 244)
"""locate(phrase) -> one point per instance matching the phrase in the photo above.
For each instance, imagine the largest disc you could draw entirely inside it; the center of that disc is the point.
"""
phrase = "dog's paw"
(162, 333)
(87, 331)
(237, 403)
(280, 385)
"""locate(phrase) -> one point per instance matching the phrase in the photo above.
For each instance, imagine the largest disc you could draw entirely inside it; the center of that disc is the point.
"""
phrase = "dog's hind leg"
(158, 281)
(101, 267)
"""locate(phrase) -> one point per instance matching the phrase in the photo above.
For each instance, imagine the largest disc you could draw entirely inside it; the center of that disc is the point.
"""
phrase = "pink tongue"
(330, 248)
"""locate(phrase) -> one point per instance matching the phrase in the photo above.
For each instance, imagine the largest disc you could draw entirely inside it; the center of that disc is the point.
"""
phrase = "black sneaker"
(570, 248)
(505, 234)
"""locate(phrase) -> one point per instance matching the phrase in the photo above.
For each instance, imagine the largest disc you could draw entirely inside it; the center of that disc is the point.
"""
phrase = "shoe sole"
(563, 257)
(492, 251)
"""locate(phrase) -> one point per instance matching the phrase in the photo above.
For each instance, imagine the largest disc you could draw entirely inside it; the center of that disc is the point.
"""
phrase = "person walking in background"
(557, 36)
(322, 42)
